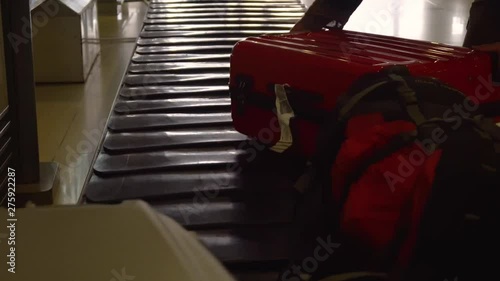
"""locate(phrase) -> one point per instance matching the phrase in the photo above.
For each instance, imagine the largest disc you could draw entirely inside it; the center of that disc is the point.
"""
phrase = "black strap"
(488, 130)
(357, 276)
(344, 111)
(490, 109)
(407, 95)
(488, 126)
(409, 99)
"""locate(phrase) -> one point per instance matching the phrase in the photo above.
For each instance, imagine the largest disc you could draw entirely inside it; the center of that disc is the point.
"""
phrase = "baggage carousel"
(170, 139)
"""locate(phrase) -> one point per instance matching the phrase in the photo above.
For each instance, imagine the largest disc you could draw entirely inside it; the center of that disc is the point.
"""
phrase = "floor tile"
(71, 117)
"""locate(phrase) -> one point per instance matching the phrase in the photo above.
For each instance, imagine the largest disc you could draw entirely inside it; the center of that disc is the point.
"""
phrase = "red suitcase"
(318, 67)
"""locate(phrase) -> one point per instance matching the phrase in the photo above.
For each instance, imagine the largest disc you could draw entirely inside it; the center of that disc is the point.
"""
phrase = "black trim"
(491, 109)
(401, 70)
(240, 92)
(300, 95)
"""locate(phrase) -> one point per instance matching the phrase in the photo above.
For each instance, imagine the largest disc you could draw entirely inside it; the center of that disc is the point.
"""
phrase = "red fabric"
(421, 193)
(375, 203)
(362, 140)
(358, 124)
(268, 134)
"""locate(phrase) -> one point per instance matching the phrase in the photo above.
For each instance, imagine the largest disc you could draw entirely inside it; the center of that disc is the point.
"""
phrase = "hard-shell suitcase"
(283, 85)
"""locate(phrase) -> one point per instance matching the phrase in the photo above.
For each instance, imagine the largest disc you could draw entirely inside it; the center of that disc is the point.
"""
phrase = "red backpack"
(409, 185)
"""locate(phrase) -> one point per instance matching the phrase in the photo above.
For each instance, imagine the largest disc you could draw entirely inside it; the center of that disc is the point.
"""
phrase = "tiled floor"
(71, 117)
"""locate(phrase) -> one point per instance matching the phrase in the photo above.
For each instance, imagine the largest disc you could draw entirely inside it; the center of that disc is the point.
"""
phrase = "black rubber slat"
(184, 67)
(141, 122)
(165, 160)
(262, 14)
(148, 92)
(220, 49)
(222, 2)
(186, 57)
(253, 172)
(256, 209)
(132, 142)
(242, 4)
(171, 142)
(256, 275)
(233, 9)
(179, 184)
(216, 27)
(180, 105)
(263, 244)
(176, 79)
(212, 33)
(179, 41)
(214, 20)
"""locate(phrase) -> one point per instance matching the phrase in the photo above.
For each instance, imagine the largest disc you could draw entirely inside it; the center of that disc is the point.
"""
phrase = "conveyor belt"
(170, 139)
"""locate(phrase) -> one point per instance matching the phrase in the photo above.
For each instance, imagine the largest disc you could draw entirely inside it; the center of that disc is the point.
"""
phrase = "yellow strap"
(354, 275)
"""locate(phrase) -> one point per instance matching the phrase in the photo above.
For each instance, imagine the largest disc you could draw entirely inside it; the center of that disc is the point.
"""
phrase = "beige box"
(110, 7)
(65, 39)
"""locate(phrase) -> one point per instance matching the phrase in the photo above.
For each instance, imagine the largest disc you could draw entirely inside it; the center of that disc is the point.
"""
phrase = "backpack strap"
(344, 111)
(488, 126)
(409, 99)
